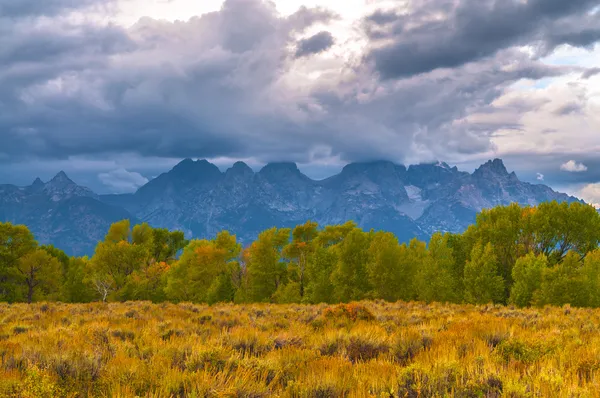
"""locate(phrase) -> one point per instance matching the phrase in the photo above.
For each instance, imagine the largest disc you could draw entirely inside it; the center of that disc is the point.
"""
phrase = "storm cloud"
(320, 42)
(432, 80)
(434, 34)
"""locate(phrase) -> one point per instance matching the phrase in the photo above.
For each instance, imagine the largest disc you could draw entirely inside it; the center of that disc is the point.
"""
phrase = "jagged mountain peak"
(185, 163)
(239, 168)
(495, 166)
(280, 167)
(189, 166)
(61, 178)
(381, 166)
(282, 171)
(61, 187)
(37, 183)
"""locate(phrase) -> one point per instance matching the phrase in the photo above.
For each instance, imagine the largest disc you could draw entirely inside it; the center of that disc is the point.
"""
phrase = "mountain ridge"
(199, 199)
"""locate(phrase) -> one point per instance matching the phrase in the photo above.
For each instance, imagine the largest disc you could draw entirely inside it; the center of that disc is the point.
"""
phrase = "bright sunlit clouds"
(171, 10)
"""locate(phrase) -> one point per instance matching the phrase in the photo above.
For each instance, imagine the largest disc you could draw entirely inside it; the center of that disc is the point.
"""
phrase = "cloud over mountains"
(412, 81)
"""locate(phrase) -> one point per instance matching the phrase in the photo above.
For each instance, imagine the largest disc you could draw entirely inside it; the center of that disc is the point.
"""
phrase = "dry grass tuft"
(368, 349)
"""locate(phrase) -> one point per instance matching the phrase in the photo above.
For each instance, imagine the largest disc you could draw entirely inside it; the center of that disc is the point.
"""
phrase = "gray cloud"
(590, 73)
(569, 109)
(33, 8)
(315, 44)
(475, 29)
(122, 180)
(226, 84)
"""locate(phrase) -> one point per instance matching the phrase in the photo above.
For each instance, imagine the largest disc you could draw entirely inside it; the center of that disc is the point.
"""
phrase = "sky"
(115, 92)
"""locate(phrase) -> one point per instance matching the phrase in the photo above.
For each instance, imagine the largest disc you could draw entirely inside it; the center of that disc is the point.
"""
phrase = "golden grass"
(370, 349)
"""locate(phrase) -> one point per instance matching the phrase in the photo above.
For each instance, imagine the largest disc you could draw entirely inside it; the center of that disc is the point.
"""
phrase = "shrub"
(354, 312)
(409, 345)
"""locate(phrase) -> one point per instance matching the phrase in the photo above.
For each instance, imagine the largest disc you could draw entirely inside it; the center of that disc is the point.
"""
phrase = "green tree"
(119, 232)
(41, 275)
(482, 284)
(192, 275)
(300, 251)
(142, 234)
(562, 227)
(288, 293)
(434, 280)
(205, 270)
(16, 241)
(527, 275)
(350, 280)
(320, 288)
(506, 228)
(563, 283)
(591, 278)
(332, 235)
(112, 265)
(390, 273)
(75, 287)
(265, 271)
(459, 245)
(167, 244)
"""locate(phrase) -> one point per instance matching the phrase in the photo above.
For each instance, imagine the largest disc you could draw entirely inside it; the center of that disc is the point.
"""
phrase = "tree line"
(521, 255)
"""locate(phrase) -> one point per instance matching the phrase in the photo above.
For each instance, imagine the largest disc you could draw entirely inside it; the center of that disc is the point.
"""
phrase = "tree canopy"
(518, 255)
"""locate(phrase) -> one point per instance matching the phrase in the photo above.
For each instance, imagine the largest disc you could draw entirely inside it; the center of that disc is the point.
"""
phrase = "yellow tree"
(41, 274)
(205, 271)
(16, 241)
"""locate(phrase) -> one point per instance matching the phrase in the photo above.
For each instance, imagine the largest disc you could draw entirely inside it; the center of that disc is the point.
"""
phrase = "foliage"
(38, 275)
(481, 280)
(527, 275)
(512, 254)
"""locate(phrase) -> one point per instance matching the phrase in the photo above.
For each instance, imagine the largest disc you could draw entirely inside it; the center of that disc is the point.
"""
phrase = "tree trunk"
(30, 293)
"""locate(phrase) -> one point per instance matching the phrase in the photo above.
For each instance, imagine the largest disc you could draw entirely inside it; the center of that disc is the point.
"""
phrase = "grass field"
(370, 349)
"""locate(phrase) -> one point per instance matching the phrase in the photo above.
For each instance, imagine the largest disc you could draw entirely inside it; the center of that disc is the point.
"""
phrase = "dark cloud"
(474, 29)
(64, 95)
(228, 85)
(316, 44)
(569, 109)
(590, 73)
(53, 43)
(33, 8)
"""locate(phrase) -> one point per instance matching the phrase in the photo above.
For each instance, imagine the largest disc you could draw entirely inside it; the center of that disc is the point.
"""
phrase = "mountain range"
(199, 199)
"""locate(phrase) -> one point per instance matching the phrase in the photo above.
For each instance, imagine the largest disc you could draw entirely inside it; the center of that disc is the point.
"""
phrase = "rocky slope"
(60, 212)
(196, 197)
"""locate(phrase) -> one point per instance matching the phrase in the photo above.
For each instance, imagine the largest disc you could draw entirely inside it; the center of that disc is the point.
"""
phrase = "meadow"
(366, 349)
